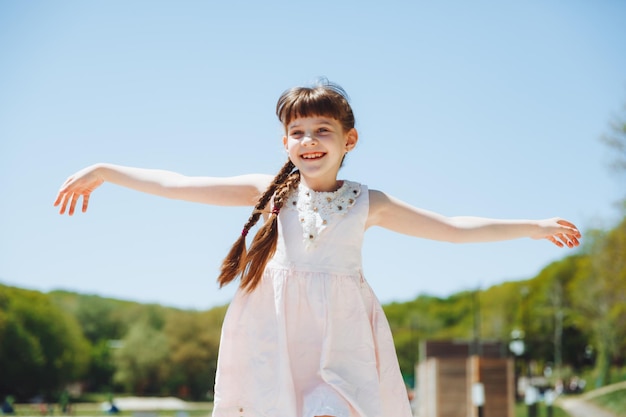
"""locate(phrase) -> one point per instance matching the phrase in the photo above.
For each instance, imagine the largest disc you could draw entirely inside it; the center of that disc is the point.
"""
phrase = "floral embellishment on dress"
(315, 208)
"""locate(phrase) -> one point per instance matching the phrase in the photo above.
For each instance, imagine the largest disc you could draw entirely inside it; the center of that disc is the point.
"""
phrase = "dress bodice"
(322, 231)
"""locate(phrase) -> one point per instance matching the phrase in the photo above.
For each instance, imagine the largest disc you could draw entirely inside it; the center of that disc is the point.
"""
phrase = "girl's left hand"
(559, 231)
(81, 184)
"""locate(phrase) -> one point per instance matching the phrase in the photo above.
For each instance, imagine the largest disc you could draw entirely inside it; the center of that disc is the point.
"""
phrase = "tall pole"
(477, 324)
(526, 325)
(557, 303)
(531, 391)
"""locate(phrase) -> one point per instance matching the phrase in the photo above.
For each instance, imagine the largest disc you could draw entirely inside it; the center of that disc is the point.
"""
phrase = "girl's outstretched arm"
(228, 191)
(393, 214)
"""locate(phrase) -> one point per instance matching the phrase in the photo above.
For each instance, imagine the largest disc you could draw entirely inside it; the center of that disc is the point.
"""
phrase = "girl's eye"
(323, 130)
(295, 133)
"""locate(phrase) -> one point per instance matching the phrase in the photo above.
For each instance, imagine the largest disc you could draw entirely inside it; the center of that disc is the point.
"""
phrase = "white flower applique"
(315, 208)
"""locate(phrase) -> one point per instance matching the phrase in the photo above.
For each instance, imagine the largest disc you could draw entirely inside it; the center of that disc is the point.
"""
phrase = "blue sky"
(464, 108)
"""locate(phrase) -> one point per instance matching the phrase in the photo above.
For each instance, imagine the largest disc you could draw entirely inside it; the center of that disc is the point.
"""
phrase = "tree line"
(572, 315)
(48, 341)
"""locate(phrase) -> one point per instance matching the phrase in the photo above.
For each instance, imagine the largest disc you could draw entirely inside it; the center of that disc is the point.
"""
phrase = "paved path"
(605, 390)
(578, 407)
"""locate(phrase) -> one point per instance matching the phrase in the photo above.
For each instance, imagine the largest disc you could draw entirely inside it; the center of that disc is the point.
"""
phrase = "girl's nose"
(309, 139)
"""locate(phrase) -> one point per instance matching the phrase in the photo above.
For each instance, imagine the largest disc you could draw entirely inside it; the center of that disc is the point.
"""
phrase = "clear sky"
(464, 108)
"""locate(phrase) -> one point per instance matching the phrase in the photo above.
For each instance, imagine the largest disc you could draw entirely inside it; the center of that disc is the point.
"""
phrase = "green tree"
(600, 295)
(561, 340)
(41, 347)
(499, 307)
(140, 359)
(100, 318)
(99, 377)
(193, 340)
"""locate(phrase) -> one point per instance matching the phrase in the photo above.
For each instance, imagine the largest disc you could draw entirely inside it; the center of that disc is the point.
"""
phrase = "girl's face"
(316, 146)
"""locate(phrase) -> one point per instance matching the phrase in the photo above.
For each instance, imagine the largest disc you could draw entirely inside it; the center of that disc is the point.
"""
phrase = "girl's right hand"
(82, 183)
(558, 231)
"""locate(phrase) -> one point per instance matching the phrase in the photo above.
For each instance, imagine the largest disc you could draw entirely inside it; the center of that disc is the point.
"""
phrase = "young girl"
(304, 335)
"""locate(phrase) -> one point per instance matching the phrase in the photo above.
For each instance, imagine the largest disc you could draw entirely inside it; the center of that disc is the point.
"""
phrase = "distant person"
(7, 406)
(64, 403)
(113, 409)
(304, 335)
(109, 406)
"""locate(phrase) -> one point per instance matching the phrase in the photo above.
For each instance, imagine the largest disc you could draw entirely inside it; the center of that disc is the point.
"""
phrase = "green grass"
(204, 410)
(614, 401)
(521, 410)
(93, 410)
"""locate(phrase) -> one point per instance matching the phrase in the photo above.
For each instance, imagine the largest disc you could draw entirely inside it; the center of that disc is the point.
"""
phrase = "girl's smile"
(314, 155)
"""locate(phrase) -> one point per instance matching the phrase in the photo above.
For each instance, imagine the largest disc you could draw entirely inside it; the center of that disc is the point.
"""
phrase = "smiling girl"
(304, 334)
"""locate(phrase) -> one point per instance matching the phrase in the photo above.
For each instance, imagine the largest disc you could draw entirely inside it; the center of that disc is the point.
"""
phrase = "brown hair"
(325, 99)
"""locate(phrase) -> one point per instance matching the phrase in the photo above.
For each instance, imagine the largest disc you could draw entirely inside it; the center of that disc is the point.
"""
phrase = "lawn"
(93, 410)
(614, 401)
(521, 410)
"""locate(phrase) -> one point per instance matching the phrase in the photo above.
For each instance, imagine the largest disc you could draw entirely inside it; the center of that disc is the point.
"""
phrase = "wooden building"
(454, 378)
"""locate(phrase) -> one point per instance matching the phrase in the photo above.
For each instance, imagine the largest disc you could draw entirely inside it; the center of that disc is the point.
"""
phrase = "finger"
(62, 191)
(566, 223)
(574, 233)
(65, 185)
(73, 203)
(64, 205)
(555, 241)
(564, 239)
(571, 226)
(85, 202)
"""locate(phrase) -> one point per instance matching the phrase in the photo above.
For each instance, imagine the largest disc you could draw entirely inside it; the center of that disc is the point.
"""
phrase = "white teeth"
(313, 155)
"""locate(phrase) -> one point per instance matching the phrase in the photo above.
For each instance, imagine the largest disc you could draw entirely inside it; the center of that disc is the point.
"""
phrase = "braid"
(263, 246)
(237, 259)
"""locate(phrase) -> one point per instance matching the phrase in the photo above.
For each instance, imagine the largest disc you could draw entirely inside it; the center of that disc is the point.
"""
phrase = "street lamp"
(478, 397)
(518, 348)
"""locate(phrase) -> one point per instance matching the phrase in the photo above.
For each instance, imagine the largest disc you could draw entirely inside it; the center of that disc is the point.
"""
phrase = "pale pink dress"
(312, 338)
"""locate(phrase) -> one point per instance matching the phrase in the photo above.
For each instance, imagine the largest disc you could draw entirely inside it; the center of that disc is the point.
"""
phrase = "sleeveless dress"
(312, 338)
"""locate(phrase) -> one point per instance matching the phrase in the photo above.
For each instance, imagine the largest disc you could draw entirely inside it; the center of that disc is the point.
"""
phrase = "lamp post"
(531, 397)
(531, 393)
(549, 396)
(517, 347)
(478, 397)
(477, 346)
